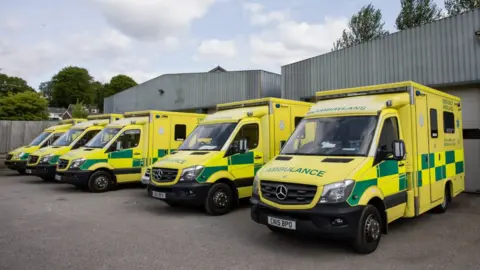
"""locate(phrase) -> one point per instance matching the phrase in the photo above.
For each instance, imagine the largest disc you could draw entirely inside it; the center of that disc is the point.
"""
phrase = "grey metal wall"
(445, 52)
(17, 133)
(195, 90)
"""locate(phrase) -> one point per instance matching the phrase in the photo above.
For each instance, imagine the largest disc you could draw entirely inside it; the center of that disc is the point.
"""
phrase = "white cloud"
(153, 19)
(289, 40)
(261, 18)
(216, 49)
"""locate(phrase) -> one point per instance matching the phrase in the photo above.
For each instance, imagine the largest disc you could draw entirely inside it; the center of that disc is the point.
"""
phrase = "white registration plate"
(159, 195)
(282, 223)
(28, 171)
(58, 177)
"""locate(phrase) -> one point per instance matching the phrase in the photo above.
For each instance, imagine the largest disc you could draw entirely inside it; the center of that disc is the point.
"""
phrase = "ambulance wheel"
(369, 231)
(442, 208)
(219, 199)
(100, 181)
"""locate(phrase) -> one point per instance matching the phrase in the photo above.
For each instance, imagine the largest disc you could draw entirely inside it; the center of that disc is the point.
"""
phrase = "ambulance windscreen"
(209, 137)
(332, 136)
(68, 137)
(102, 138)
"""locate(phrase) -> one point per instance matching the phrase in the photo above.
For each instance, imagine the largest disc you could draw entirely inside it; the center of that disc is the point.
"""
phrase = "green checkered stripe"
(440, 168)
(123, 154)
(161, 153)
(54, 159)
(387, 168)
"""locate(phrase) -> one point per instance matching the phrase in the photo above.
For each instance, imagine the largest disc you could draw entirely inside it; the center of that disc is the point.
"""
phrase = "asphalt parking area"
(55, 226)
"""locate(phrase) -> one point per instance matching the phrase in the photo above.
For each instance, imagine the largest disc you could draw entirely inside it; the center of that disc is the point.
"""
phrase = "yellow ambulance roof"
(100, 122)
(259, 102)
(359, 105)
(58, 127)
(104, 116)
(153, 112)
(234, 115)
(129, 121)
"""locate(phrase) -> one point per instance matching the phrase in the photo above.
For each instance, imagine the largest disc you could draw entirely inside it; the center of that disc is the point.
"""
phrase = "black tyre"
(100, 181)
(369, 231)
(219, 199)
(22, 172)
(442, 208)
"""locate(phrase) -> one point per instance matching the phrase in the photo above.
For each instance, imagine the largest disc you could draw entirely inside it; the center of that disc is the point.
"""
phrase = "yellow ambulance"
(216, 164)
(121, 152)
(43, 162)
(362, 158)
(17, 159)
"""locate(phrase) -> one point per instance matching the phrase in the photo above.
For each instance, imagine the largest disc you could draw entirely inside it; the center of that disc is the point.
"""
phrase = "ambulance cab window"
(388, 135)
(249, 132)
(180, 132)
(52, 139)
(86, 138)
(128, 139)
(433, 123)
(448, 122)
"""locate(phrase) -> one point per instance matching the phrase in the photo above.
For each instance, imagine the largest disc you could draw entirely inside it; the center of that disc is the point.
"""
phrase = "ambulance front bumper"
(73, 177)
(188, 193)
(17, 165)
(43, 170)
(330, 221)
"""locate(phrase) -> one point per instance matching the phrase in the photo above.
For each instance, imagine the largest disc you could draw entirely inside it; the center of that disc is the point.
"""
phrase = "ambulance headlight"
(76, 163)
(191, 173)
(46, 158)
(337, 192)
(255, 185)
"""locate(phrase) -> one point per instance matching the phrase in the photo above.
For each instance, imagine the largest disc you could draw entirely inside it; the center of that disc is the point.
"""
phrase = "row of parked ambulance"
(344, 167)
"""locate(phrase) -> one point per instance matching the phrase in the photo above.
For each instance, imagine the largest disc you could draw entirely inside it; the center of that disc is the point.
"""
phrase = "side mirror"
(242, 146)
(398, 150)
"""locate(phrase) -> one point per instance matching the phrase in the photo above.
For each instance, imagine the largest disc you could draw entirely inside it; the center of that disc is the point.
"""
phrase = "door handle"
(136, 154)
(401, 164)
(258, 157)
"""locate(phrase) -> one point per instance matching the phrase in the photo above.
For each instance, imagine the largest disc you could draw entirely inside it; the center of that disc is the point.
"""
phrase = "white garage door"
(471, 126)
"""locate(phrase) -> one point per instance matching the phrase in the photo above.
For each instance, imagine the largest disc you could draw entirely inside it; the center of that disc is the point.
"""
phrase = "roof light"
(249, 114)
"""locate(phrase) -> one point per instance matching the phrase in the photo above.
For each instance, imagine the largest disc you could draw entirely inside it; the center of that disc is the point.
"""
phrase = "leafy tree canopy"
(417, 12)
(79, 111)
(72, 84)
(455, 7)
(13, 85)
(27, 105)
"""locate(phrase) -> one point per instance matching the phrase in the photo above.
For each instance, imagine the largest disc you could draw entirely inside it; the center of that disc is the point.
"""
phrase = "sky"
(147, 38)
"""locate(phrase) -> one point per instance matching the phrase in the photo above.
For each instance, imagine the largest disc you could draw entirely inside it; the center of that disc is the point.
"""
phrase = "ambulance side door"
(243, 165)
(125, 155)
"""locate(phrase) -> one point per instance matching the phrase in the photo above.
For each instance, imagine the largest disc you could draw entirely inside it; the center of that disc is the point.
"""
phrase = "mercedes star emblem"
(282, 192)
(158, 174)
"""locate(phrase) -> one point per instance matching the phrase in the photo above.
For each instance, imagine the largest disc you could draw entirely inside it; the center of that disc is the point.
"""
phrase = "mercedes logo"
(282, 192)
(158, 173)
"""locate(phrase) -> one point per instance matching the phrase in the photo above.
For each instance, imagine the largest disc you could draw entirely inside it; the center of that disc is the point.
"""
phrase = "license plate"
(58, 177)
(145, 180)
(159, 195)
(28, 171)
(282, 223)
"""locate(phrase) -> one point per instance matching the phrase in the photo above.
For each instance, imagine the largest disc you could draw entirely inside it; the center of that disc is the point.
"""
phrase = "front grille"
(287, 194)
(164, 174)
(62, 163)
(32, 159)
(9, 157)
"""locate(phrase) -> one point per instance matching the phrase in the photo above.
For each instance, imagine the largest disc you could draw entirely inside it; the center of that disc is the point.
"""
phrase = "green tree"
(72, 84)
(46, 90)
(23, 106)
(118, 84)
(78, 110)
(99, 89)
(455, 7)
(417, 12)
(13, 85)
(366, 25)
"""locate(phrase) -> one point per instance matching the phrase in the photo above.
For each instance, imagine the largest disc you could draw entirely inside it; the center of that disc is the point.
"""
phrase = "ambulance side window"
(87, 137)
(128, 139)
(180, 132)
(249, 132)
(52, 139)
(433, 123)
(448, 122)
(388, 135)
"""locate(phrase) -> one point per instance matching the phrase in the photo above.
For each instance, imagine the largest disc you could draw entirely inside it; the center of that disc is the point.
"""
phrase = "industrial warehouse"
(444, 55)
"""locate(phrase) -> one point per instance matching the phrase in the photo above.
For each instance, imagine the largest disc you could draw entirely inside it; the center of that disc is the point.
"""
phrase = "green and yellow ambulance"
(215, 165)
(361, 159)
(121, 152)
(17, 159)
(43, 162)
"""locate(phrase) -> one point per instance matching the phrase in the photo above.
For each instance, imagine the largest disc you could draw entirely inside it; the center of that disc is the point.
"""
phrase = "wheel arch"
(382, 210)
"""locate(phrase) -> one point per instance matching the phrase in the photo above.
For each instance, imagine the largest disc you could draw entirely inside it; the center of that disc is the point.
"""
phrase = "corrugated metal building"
(444, 54)
(199, 92)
